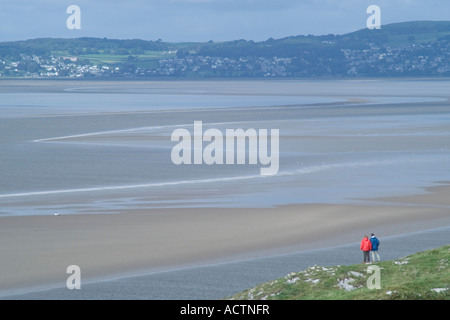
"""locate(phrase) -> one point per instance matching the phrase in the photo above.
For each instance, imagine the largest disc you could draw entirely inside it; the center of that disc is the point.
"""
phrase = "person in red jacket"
(366, 246)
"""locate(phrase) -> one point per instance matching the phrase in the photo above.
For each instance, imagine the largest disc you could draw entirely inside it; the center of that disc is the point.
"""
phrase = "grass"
(402, 39)
(421, 276)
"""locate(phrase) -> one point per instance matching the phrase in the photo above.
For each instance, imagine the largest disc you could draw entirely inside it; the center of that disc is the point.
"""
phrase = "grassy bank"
(424, 275)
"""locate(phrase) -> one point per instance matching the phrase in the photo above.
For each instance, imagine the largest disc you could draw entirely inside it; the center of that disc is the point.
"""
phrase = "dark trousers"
(366, 256)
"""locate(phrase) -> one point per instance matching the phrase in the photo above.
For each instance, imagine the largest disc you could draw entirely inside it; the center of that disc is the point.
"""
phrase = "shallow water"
(106, 147)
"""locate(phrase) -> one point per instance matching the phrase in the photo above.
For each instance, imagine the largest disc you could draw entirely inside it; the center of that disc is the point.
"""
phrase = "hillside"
(422, 276)
(419, 48)
(406, 32)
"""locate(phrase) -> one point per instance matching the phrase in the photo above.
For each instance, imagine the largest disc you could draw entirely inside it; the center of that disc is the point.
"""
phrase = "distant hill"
(391, 34)
(59, 46)
(398, 49)
(422, 31)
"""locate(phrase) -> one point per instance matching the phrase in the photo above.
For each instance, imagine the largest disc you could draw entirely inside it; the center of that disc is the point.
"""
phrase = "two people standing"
(370, 246)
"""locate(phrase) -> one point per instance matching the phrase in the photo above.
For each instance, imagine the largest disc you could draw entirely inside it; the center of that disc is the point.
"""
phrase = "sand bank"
(36, 250)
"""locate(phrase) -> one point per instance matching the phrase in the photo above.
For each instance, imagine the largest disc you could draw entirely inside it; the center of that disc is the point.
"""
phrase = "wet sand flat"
(36, 250)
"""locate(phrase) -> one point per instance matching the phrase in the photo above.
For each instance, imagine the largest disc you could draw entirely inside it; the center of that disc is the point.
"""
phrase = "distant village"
(406, 60)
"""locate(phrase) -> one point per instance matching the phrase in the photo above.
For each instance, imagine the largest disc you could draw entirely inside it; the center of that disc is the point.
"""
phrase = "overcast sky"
(204, 20)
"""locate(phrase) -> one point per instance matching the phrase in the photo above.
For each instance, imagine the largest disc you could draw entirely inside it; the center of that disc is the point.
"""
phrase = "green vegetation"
(113, 59)
(421, 276)
(418, 48)
(98, 48)
(406, 32)
(112, 50)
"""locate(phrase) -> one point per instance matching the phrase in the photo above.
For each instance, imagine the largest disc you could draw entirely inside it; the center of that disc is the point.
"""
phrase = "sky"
(204, 20)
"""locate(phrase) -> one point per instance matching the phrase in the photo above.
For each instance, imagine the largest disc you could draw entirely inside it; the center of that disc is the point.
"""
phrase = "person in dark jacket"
(366, 246)
(375, 243)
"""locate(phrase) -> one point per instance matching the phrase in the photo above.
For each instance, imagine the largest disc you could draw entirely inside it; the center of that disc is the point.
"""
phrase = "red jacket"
(366, 245)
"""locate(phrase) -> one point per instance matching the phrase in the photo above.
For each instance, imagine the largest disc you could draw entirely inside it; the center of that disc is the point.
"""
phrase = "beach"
(88, 181)
(145, 242)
